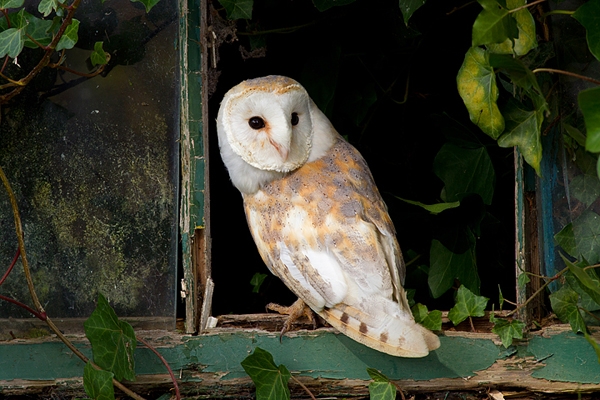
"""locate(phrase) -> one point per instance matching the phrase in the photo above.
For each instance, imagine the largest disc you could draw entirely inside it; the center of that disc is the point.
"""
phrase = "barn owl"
(316, 216)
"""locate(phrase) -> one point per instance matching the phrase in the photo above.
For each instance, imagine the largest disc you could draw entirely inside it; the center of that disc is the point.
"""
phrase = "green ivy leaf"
(271, 381)
(476, 82)
(588, 281)
(507, 330)
(432, 208)
(47, 6)
(464, 172)
(149, 4)
(526, 40)
(585, 300)
(113, 341)
(323, 5)
(589, 103)
(70, 37)
(574, 133)
(564, 305)
(39, 29)
(256, 281)
(446, 266)
(581, 238)
(377, 376)
(588, 15)
(382, 391)
(408, 7)
(585, 188)
(500, 298)
(467, 305)
(6, 4)
(431, 320)
(12, 42)
(98, 56)
(238, 9)
(493, 25)
(523, 280)
(98, 384)
(523, 130)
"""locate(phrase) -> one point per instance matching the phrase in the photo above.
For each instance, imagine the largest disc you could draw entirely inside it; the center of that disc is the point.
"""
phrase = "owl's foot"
(294, 312)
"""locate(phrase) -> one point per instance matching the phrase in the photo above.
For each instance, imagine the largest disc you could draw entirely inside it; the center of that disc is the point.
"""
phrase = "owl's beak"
(282, 150)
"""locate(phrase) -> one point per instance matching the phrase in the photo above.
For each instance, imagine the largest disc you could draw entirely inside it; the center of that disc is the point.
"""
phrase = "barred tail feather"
(401, 337)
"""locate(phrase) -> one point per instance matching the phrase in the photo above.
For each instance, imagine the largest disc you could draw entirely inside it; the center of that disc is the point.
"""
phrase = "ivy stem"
(558, 12)
(550, 280)
(12, 264)
(41, 316)
(19, 230)
(177, 394)
(290, 29)
(559, 71)
(303, 387)
(525, 6)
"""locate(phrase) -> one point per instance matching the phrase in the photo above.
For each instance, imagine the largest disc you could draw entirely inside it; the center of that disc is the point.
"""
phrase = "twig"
(399, 389)
(12, 264)
(38, 315)
(559, 71)
(525, 6)
(550, 280)
(304, 387)
(177, 395)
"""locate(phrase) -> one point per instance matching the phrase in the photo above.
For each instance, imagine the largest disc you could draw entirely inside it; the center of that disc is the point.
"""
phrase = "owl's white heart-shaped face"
(267, 122)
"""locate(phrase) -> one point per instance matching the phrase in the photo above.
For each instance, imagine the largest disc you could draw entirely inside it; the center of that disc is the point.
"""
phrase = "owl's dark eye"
(295, 119)
(256, 123)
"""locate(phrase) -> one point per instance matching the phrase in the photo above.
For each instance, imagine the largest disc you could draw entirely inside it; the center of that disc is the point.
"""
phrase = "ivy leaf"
(323, 5)
(588, 15)
(98, 56)
(523, 280)
(47, 6)
(446, 266)
(257, 280)
(493, 25)
(467, 305)
(408, 7)
(564, 305)
(271, 381)
(6, 4)
(12, 42)
(432, 208)
(98, 384)
(113, 341)
(574, 133)
(431, 320)
(585, 279)
(589, 103)
(149, 4)
(526, 40)
(464, 172)
(70, 37)
(238, 9)
(476, 82)
(507, 330)
(585, 188)
(381, 388)
(500, 298)
(523, 130)
(581, 238)
(39, 29)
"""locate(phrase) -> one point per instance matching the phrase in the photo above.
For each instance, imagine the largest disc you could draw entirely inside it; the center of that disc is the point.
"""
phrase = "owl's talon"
(294, 312)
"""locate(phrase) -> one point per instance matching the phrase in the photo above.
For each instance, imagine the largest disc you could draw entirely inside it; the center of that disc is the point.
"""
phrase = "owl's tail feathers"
(401, 337)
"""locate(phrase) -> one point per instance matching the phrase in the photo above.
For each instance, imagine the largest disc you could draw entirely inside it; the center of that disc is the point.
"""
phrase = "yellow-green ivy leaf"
(70, 37)
(98, 56)
(526, 27)
(432, 208)
(477, 87)
(523, 130)
(507, 330)
(468, 304)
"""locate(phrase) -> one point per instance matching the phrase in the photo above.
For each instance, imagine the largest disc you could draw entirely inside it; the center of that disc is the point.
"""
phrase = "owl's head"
(268, 127)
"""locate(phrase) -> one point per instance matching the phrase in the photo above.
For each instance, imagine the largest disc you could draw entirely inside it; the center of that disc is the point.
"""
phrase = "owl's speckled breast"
(319, 203)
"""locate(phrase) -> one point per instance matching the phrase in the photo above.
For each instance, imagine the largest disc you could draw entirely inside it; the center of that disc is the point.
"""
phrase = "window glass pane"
(93, 163)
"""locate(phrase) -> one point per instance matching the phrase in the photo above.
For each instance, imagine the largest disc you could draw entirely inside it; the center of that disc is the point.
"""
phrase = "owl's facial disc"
(270, 129)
